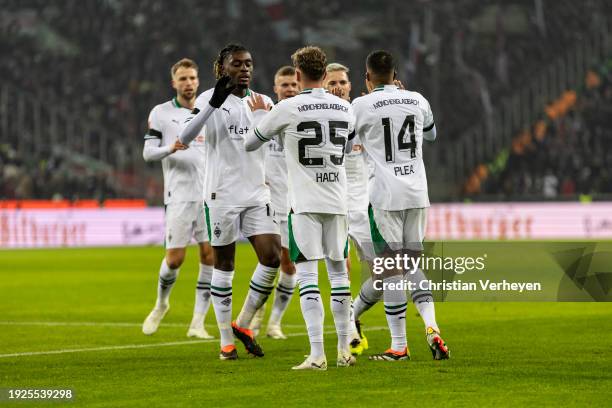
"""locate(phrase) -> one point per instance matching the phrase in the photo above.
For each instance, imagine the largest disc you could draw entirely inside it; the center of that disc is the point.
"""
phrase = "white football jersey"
(390, 123)
(276, 177)
(313, 128)
(233, 176)
(357, 177)
(184, 169)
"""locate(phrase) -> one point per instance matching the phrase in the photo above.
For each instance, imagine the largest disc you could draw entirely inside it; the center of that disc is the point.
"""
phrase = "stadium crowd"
(107, 60)
(49, 178)
(569, 155)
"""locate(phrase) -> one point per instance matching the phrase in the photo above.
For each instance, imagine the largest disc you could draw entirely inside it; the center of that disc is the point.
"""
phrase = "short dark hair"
(229, 49)
(285, 71)
(380, 63)
(311, 61)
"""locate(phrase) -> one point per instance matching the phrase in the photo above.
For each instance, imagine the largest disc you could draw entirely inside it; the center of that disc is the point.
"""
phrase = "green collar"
(309, 90)
(176, 103)
(248, 93)
(382, 87)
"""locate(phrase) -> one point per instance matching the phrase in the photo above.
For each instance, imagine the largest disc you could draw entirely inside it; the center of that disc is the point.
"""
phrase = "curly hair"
(311, 60)
(223, 54)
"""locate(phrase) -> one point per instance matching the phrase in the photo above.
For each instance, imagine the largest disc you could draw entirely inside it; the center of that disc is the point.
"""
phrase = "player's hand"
(399, 84)
(256, 102)
(178, 146)
(223, 88)
(337, 91)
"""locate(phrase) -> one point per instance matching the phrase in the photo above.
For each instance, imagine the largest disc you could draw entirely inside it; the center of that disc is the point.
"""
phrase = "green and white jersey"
(313, 128)
(390, 122)
(184, 169)
(234, 177)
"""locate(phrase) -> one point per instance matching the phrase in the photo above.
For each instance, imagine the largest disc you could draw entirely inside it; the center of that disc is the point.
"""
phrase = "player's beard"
(188, 96)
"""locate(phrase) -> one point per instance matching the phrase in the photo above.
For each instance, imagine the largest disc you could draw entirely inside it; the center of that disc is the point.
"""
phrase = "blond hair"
(184, 63)
(336, 67)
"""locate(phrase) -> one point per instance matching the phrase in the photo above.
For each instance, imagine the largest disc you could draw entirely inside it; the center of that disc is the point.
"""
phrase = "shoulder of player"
(335, 99)
(363, 101)
(162, 106)
(414, 95)
(205, 96)
(161, 109)
(284, 104)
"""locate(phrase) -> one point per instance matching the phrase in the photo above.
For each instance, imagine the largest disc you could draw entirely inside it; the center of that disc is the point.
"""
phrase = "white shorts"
(226, 224)
(284, 231)
(359, 229)
(317, 236)
(185, 220)
(396, 230)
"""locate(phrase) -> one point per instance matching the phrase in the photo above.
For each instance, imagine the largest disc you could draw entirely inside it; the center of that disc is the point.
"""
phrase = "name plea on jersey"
(396, 101)
(404, 170)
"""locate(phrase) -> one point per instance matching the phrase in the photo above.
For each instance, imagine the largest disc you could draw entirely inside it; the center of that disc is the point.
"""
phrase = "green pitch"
(86, 305)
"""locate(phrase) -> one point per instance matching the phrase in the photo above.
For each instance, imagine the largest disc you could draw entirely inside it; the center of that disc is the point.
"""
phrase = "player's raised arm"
(194, 125)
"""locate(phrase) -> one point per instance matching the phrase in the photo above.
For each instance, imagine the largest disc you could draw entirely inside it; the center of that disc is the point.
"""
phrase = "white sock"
(167, 277)
(340, 302)
(221, 291)
(282, 297)
(368, 297)
(395, 309)
(202, 293)
(262, 284)
(354, 332)
(423, 300)
(312, 306)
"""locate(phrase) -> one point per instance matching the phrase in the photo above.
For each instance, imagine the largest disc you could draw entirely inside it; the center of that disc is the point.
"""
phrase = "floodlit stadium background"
(521, 92)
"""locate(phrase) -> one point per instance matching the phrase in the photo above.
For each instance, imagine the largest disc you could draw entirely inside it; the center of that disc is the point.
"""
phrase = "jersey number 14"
(402, 144)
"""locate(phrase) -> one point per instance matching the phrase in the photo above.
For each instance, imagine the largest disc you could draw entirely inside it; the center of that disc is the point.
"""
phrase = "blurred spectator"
(573, 156)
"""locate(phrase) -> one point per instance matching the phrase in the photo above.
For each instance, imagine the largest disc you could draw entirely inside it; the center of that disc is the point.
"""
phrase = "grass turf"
(503, 354)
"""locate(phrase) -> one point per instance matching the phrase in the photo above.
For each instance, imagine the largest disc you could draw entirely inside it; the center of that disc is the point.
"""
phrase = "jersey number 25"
(334, 125)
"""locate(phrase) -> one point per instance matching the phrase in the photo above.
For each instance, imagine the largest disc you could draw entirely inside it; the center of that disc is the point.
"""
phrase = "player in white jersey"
(314, 127)
(337, 82)
(285, 86)
(236, 195)
(392, 124)
(185, 218)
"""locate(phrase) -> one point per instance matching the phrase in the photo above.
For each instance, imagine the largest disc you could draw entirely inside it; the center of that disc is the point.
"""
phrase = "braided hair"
(223, 54)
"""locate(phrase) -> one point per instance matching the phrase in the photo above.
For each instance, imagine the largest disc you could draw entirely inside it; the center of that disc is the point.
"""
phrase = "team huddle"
(297, 178)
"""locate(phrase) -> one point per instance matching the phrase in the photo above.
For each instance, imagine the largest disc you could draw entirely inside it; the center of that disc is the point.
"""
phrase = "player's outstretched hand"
(223, 88)
(337, 91)
(178, 146)
(257, 102)
(399, 84)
